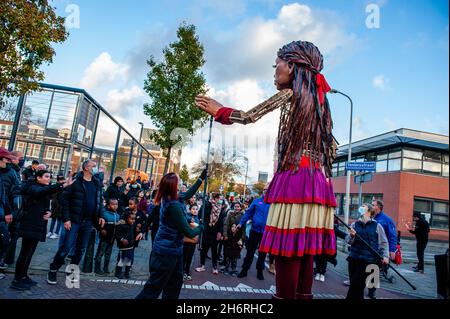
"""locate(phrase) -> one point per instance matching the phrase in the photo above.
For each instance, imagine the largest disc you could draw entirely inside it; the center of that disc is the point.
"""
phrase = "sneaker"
(188, 277)
(418, 270)
(19, 285)
(54, 236)
(29, 281)
(317, 277)
(48, 234)
(242, 274)
(215, 271)
(3, 266)
(51, 278)
(347, 282)
(200, 269)
(184, 277)
(322, 278)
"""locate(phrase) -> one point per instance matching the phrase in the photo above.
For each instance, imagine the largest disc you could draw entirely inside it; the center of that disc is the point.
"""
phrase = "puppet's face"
(284, 74)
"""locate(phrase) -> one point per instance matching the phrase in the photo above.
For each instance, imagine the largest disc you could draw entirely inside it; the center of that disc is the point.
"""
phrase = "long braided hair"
(305, 125)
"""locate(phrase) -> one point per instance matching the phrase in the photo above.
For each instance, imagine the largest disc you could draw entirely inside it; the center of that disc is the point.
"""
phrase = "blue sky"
(397, 74)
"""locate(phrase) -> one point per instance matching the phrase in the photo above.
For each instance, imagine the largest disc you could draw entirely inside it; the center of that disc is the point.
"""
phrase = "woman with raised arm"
(300, 220)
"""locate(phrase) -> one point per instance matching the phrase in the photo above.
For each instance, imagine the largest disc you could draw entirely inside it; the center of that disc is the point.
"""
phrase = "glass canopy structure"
(63, 126)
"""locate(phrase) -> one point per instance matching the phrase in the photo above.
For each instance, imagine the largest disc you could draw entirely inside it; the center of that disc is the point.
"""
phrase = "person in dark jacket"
(33, 225)
(213, 221)
(56, 212)
(132, 189)
(4, 234)
(234, 238)
(420, 230)
(127, 236)
(107, 237)
(166, 259)
(116, 190)
(322, 260)
(257, 213)
(30, 171)
(190, 243)
(153, 217)
(11, 187)
(360, 255)
(82, 207)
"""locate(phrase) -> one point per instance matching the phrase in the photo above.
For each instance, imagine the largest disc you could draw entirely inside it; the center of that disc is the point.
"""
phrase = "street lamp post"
(140, 141)
(246, 171)
(347, 186)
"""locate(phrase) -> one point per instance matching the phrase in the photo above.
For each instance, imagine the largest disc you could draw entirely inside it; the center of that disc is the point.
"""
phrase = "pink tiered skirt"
(301, 215)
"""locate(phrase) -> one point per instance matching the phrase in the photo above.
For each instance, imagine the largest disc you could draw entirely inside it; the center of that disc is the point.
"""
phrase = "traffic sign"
(363, 178)
(361, 166)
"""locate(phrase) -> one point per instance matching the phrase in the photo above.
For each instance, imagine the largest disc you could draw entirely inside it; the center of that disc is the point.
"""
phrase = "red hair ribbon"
(322, 87)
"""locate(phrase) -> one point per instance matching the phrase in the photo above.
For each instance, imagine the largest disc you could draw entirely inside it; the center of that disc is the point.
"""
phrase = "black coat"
(28, 173)
(37, 197)
(115, 192)
(11, 187)
(128, 232)
(73, 198)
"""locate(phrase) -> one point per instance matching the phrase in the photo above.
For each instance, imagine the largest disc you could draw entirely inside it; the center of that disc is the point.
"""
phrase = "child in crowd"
(127, 238)
(190, 243)
(233, 239)
(106, 236)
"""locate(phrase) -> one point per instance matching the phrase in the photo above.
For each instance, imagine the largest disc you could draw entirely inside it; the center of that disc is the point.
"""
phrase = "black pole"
(206, 179)
(373, 251)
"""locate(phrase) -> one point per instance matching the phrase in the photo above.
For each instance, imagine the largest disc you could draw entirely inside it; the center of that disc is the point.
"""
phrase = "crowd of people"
(82, 213)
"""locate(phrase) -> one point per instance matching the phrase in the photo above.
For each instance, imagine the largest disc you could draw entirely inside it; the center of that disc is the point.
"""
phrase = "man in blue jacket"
(391, 234)
(257, 213)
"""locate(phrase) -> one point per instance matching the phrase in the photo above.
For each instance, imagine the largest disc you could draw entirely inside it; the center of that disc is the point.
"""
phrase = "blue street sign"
(361, 166)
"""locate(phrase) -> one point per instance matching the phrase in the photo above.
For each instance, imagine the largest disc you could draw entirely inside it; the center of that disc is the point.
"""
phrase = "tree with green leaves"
(258, 187)
(184, 174)
(220, 172)
(172, 85)
(27, 30)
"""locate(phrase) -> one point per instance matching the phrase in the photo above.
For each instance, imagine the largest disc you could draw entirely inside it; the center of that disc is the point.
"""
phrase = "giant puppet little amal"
(300, 221)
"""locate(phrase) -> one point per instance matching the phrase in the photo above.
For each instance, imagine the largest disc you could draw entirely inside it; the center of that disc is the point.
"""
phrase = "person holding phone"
(33, 225)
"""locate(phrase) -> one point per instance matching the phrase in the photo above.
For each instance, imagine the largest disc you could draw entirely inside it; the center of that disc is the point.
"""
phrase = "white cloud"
(380, 82)
(118, 102)
(250, 50)
(103, 70)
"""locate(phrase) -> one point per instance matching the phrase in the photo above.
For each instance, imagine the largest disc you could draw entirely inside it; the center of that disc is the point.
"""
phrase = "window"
(50, 152)
(394, 164)
(396, 153)
(58, 153)
(412, 165)
(432, 168)
(445, 170)
(416, 154)
(382, 156)
(21, 147)
(434, 211)
(381, 166)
